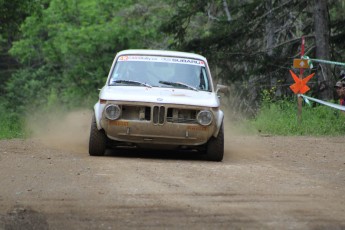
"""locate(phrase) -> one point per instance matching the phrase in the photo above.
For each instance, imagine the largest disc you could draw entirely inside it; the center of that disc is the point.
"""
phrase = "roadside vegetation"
(11, 125)
(280, 118)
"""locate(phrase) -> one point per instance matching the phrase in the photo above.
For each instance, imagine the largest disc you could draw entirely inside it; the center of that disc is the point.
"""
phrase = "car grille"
(176, 115)
(160, 114)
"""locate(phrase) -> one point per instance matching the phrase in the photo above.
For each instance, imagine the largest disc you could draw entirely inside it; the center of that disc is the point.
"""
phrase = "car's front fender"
(98, 110)
(219, 121)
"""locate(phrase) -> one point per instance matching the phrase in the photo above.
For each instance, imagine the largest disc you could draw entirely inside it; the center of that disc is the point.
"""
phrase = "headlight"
(112, 112)
(204, 117)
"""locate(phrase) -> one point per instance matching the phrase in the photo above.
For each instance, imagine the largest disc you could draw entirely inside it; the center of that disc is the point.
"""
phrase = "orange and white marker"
(300, 85)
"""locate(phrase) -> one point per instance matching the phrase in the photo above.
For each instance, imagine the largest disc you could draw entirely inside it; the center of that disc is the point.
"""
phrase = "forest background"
(58, 52)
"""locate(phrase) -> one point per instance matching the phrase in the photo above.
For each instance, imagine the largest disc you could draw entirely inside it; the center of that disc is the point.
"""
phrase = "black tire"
(98, 140)
(215, 146)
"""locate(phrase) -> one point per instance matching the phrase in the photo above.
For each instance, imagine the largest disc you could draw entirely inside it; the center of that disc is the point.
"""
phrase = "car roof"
(161, 53)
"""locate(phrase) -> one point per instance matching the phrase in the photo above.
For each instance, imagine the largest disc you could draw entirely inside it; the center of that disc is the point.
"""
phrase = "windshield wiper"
(176, 84)
(130, 82)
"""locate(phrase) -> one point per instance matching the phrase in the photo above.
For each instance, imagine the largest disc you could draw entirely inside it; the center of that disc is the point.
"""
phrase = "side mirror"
(222, 89)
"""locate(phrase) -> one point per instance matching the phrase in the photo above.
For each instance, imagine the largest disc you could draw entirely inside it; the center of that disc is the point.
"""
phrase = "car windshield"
(158, 71)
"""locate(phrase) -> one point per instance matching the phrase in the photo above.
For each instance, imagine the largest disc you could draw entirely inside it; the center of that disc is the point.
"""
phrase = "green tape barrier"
(332, 105)
(323, 61)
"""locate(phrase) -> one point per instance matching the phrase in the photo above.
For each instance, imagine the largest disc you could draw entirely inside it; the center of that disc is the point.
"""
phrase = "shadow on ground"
(156, 154)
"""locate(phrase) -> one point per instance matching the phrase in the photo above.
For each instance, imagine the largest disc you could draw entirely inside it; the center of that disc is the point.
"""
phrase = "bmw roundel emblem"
(159, 99)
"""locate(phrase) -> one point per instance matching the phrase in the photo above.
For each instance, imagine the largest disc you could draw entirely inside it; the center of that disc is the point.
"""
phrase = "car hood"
(159, 95)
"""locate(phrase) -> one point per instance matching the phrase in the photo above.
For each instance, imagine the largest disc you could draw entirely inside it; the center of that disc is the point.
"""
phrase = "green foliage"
(12, 15)
(267, 96)
(280, 118)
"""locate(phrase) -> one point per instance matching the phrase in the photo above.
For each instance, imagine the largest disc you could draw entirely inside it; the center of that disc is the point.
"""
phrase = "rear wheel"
(97, 141)
(215, 146)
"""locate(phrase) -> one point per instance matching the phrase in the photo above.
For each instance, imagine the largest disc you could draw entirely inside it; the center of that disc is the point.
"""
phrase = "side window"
(204, 84)
(116, 71)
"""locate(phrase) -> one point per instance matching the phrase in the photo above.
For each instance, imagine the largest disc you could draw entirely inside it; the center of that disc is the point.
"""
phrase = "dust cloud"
(62, 130)
(240, 142)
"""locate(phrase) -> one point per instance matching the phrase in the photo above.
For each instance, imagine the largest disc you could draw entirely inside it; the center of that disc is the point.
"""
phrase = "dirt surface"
(264, 182)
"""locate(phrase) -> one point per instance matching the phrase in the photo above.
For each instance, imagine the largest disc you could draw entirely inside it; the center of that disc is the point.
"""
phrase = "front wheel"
(97, 141)
(215, 146)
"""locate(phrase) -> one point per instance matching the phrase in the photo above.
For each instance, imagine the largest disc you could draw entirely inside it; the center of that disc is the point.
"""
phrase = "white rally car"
(159, 99)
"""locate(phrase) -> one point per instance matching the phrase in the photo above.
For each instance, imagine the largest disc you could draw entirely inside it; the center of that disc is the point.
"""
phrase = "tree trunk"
(269, 29)
(321, 28)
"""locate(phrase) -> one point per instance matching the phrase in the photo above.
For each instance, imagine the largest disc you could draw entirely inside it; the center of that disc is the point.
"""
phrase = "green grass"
(280, 118)
(11, 125)
(10, 129)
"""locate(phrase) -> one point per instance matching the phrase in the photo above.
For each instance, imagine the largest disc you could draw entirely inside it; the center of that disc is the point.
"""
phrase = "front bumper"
(145, 132)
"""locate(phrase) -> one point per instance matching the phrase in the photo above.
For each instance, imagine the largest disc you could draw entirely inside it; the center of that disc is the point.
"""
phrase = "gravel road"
(264, 182)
